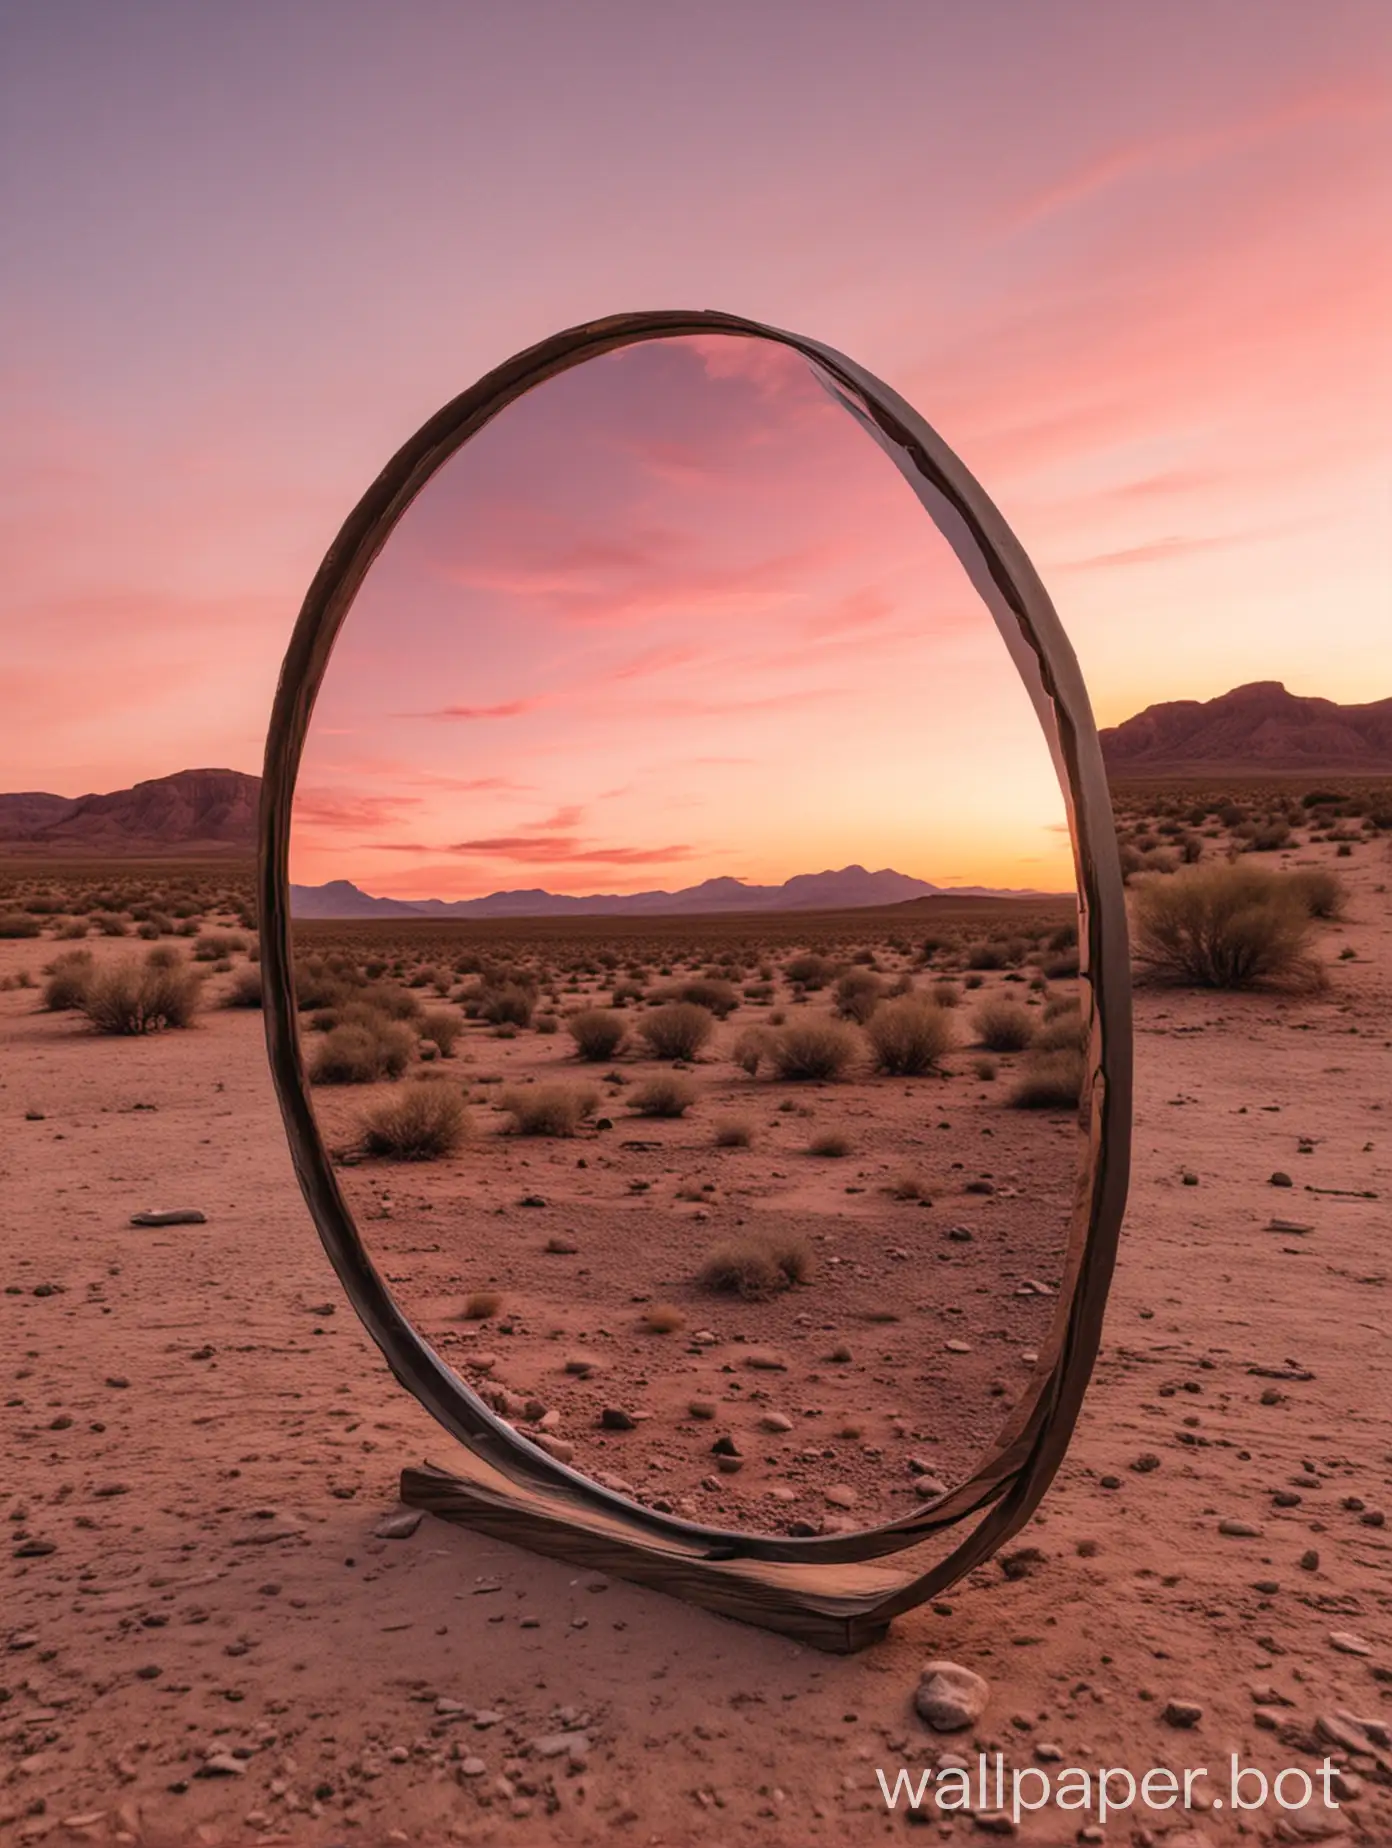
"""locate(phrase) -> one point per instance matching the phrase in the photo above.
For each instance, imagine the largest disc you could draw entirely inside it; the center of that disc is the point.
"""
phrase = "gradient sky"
(671, 616)
(1130, 259)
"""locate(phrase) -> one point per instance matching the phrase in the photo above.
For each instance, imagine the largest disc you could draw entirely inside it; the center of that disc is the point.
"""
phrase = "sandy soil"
(893, 1366)
(204, 1642)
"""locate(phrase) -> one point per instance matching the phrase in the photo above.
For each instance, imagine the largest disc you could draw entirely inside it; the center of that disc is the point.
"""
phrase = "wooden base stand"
(840, 1609)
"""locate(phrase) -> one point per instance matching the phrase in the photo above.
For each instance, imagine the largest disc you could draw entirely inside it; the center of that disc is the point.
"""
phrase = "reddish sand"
(205, 1643)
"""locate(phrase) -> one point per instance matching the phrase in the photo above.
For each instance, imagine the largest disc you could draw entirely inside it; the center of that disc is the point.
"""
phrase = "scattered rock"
(950, 1697)
(398, 1526)
(1347, 1642)
(221, 1764)
(170, 1216)
(1181, 1713)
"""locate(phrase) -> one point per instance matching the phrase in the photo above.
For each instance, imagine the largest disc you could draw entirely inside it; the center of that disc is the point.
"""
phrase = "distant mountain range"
(193, 811)
(849, 889)
(1258, 727)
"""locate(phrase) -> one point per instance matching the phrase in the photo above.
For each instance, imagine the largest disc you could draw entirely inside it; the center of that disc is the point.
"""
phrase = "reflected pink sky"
(672, 616)
(1131, 261)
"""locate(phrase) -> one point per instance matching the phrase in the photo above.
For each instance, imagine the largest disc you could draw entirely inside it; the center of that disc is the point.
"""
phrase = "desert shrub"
(420, 1123)
(985, 1067)
(69, 977)
(755, 1267)
(509, 1004)
(362, 1052)
(163, 956)
(109, 924)
(1053, 1081)
(1065, 937)
(73, 930)
(442, 1028)
(315, 987)
(213, 945)
(733, 1133)
(624, 992)
(831, 1144)
(482, 1305)
(810, 970)
(669, 1095)
(19, 924)
(813, 1049)
(716, 995)
(858, 995)
(1060, 967)
(549, 1109)
(598, 1032)
(663, 1319)
(759, 992)
(992, 955)
(1270, 836)
(1063, 1032)
(909, 1036)
(1003, 1026)
(908, 1186)
(134, 997)
(946, 994)
(1229, 926)
(751, 1048)
(388, 999)
(1321, 891)
(678, 1030)
(245, 990)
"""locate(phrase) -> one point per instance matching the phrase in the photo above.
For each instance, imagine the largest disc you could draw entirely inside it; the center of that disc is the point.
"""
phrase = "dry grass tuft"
(69, 978)
(908, 1186)
(910, 1036)
(813, 1049)
(421, 1123)
(831, 1144)
(663, 1319)
(734, 1133)
(133, 998)
(1322, 892)
(549, 1109)
(481, 1305)
(1054, 1081)
(669, 1095)
(1229, 926)
(362, 1052)
(598, 1032)
(677, 1031)
(1003, 1026)
(858, 995)
(442, 1028)
(755, 1267)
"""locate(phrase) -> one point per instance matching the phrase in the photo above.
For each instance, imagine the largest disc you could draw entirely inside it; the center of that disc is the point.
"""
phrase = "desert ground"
(205, 1638)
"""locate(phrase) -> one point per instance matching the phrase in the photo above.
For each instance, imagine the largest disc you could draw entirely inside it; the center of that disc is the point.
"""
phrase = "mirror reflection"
(686, 948)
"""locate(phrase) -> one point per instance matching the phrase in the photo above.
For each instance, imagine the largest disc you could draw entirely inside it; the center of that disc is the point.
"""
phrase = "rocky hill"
(1260, 727)
(193, 811)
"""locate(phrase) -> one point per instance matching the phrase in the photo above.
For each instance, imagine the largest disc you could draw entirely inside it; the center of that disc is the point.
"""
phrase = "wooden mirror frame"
(821, 1588)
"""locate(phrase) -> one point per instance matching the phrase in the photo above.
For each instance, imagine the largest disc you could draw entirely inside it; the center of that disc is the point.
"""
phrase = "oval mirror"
(695, 963)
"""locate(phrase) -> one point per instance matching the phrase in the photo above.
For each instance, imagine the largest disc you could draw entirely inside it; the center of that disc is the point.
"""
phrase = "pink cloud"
(508, 709)
(328, 808)
(542, 850)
